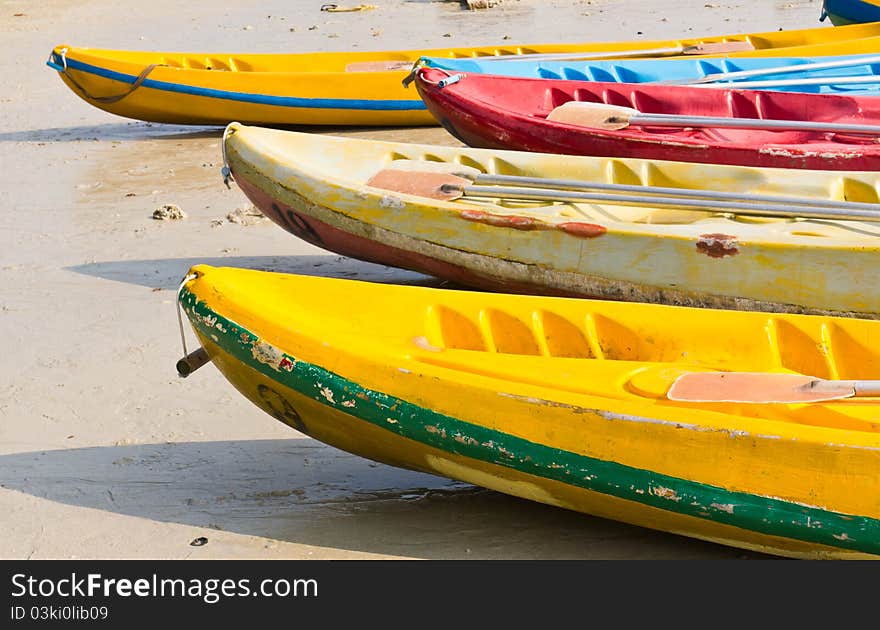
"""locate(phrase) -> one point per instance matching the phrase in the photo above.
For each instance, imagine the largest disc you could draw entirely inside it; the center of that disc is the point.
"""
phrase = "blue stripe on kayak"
(262, 99)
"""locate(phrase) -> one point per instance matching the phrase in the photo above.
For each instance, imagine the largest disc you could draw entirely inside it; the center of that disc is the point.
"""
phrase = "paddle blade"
(593, 115)
(717, 48)
(439, 186)
(378, 66)
(753, 387)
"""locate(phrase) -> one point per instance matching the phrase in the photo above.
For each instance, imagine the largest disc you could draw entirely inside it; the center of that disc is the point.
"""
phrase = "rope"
(186, 279)
(106, 99)
(226, 172)
(418, 66)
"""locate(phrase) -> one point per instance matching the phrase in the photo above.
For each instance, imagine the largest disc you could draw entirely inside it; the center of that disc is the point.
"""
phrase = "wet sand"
(104, 451)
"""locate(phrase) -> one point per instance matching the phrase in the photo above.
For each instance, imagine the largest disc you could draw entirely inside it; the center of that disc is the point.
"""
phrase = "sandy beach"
(104, 451)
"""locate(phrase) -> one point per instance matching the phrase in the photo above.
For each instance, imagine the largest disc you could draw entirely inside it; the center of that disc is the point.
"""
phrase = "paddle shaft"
(757, 85)
(744, 74)
(569, 185)
(860, 388)
(773, 210)
(617, 54)
(672, 120)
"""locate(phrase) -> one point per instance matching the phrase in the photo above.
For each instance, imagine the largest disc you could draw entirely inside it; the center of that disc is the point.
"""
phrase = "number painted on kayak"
(280, 408)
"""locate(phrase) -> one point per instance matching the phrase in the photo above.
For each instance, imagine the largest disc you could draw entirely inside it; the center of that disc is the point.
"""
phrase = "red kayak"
(500, 112)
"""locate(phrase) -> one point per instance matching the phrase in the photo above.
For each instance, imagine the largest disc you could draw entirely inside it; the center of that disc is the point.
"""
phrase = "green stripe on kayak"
(765, 515)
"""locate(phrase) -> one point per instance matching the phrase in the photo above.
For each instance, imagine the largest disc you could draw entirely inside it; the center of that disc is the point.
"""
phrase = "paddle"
(378, 66)
(782, 83)
(711, 48)
(757, 387)
(449, 186)
(743, 74)
(616, 117)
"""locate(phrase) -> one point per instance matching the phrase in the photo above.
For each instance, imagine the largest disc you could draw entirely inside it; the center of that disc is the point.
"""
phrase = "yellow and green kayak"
(618, 242)
(355, 88)
(566, 401)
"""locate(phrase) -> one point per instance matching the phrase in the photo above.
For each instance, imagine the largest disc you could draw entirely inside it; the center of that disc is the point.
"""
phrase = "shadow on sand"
(305, 492)
(166, 273)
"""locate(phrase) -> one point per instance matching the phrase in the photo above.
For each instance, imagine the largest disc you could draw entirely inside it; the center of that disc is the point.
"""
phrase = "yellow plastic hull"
(316, 89)
(563, 401)
(315, 187)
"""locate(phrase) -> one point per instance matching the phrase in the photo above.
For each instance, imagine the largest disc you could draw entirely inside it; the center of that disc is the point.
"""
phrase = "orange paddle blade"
(754, 387)
(717, 48)
(440, 186)
(378, 66)
(593, 115)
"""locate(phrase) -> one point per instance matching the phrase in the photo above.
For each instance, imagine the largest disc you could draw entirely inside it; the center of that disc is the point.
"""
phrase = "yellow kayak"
(569, 402)
(329, 191)
(355, 88)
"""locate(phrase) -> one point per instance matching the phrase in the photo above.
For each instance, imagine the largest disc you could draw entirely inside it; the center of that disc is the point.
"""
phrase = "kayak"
(354, 88)
(843, 74)
(554, 116)
(324, 190)
(842, 12)
(586, 405)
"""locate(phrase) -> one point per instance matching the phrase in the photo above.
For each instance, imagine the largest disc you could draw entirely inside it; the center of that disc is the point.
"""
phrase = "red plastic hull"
(499, 112)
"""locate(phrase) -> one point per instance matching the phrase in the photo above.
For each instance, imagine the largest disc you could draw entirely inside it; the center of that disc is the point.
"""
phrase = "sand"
(104, 451)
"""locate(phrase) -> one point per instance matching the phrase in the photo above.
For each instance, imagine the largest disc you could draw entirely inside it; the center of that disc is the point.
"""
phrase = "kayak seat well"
(819, 348)
(228, 64)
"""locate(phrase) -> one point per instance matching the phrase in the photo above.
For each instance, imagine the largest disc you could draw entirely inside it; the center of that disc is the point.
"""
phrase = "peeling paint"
(584, 230)
(348, 403)
(393, 203)
(515, 221)
(267, 353)
(327, 393)
(666, 493)
(717, 245)
(724, 507)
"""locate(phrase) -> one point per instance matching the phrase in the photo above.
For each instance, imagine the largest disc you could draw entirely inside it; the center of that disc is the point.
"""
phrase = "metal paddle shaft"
(672, 120)
(739, 207)
(781, 83)
(745, 74)
(859, 388)
(569, 184)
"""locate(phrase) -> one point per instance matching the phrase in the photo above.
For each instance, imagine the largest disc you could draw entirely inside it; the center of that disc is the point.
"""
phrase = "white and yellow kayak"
(699, 247)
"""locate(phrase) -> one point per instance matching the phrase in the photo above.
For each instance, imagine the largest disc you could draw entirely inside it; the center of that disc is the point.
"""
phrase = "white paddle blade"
(593, 115)
(754, 387)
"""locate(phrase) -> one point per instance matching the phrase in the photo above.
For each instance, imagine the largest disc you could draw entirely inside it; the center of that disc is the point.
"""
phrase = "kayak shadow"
(305, 492)
(139, 131)
(113, 132)
(167, 273)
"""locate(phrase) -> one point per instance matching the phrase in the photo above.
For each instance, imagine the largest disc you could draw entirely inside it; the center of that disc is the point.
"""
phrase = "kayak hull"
(716, 474)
